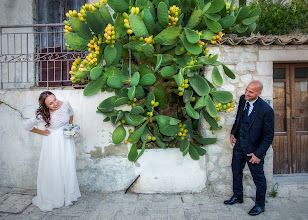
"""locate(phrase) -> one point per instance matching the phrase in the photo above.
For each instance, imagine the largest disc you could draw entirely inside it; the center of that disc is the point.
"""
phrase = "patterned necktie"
(246, 110)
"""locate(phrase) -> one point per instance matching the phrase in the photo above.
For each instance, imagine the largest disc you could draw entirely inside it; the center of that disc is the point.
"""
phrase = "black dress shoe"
(256, 210)
(233, 200)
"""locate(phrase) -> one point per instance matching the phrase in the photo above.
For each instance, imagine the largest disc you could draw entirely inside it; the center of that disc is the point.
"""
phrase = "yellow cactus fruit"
(213, 131)
(133, 105)
(126, 141)
(130, 131)
(129, 31)
(180, 93)
(180, 133)
(218, 119)
(122, 121)
(149, 137)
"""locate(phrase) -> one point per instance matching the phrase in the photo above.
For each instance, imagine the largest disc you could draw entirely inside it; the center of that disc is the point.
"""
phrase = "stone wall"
(102, 166)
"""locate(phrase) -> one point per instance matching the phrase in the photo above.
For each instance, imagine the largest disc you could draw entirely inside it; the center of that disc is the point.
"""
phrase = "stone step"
(291, 185)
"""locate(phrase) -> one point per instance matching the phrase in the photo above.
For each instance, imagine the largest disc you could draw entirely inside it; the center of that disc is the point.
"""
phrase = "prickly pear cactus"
(150, 55)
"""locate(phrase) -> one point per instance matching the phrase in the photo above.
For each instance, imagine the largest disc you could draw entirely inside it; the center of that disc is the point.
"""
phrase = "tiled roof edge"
(265, 40)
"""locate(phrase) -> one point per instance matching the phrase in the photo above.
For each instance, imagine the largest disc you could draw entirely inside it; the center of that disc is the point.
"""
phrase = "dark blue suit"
(254, 134)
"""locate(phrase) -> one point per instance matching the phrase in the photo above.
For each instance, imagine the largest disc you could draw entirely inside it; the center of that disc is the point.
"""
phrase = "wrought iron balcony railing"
(34, 56)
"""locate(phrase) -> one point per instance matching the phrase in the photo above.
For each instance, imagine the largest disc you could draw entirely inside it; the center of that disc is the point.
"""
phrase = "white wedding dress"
(57, 183)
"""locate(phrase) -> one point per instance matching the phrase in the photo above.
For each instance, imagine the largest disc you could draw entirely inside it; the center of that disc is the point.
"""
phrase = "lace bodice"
(58, 118)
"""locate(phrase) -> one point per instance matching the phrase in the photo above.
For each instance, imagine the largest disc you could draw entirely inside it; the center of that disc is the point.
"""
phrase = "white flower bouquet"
(71, 130)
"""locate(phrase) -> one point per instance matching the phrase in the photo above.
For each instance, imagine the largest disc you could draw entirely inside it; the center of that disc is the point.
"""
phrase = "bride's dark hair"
(43, 109)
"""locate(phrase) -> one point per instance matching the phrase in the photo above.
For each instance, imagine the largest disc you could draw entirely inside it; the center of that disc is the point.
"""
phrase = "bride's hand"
(46, 132)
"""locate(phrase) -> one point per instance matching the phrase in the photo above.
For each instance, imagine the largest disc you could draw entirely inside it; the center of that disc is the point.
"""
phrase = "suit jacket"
(261, 126)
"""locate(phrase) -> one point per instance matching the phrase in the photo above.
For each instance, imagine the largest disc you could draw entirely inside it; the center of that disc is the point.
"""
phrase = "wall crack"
(1, 102)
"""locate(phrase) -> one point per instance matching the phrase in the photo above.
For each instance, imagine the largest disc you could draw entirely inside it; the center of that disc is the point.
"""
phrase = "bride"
(57, 183)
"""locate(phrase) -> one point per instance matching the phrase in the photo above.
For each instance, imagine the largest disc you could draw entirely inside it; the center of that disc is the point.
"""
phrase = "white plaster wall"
(16, 12)
(101, 166)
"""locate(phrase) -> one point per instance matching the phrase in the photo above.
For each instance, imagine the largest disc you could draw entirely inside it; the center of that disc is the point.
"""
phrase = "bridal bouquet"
(71, 130)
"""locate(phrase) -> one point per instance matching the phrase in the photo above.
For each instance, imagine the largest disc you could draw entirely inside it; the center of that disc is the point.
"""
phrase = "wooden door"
(290, 98)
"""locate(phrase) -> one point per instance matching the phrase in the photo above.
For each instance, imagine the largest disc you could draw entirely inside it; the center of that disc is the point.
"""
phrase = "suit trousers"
(239, 160)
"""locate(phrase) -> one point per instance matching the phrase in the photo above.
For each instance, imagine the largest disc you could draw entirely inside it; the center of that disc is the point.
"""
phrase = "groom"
(252, 134)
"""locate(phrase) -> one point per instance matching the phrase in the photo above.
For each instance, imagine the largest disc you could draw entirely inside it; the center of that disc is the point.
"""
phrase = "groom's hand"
(253, 159)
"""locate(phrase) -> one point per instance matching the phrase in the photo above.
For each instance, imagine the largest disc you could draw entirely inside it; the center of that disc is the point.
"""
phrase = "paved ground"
(16, 204)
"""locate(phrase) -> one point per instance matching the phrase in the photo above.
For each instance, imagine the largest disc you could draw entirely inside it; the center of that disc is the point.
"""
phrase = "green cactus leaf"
(96, 72)
(191, 48)
(148, 21)
(134, 45)
(110, 54)
(133, 153)
(179, 22)
(254, 12)
(187, 95)
(164, 126)
(121, 101)
(119, 117)
(138, 26)
(191, 35)
(227, 21)
(249, 21)
(184, 145)
(96, 21)
(167, 71)
(114, 82)
(179, 50)
(135, 79)
(75, 42)
(216, 76)
(174, 121)
(118, 5)
(162, 14)
(214, 17)
(94, 86)
(241, 29)
(135, 136)
(179, 78)
(207, 60)
(118, 134)
(200, 103)
(216, 6)
(120, 30)
(210, 107)
(222, 96)
(106, 14)
(158, 62)
(142, 150)
(168, 36)
(145, 134)
(162, 95)
(252, 27)
(108, 104)
(134, 120)
(200, 150)
(113, 71)
(121, 92)
(131, 92)
(148, 50)
(149, 99)
(199, 85)
(81, 28)
(139, 94)
(194, 19)
(212, 122)
(118, 47)
(147, 79)
(207, 35)
(144, 69)
(206, 7)
(138, 110)
(193, 153)
(242, 13)
(205, 141)
(213, 25)
(190, 111)
(194, 67)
